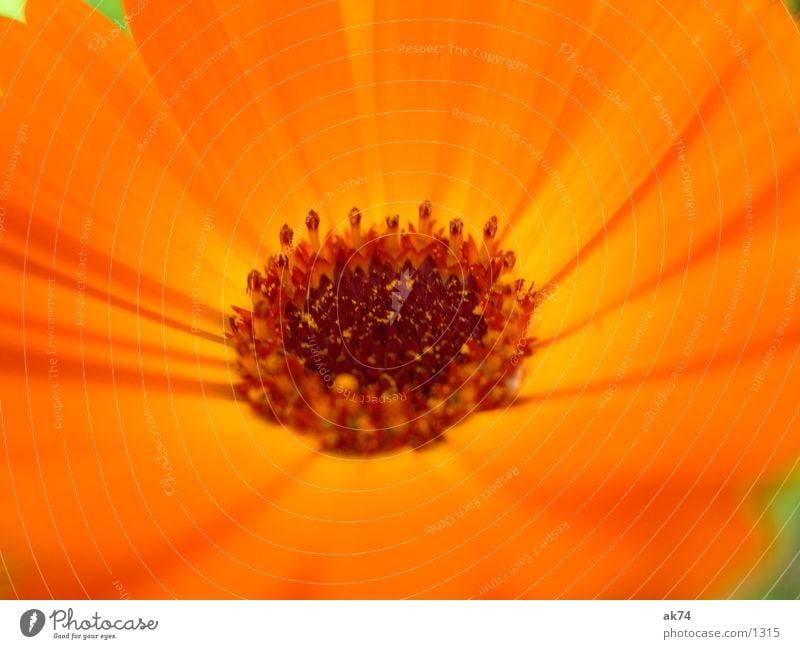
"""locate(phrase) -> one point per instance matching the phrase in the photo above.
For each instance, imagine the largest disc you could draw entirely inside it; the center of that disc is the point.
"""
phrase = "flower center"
(377, 340)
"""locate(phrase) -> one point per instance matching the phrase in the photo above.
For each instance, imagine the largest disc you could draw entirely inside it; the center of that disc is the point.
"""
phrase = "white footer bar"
(401, 624)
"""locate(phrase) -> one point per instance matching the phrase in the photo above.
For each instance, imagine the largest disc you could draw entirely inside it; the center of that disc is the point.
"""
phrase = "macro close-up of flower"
(339, 299)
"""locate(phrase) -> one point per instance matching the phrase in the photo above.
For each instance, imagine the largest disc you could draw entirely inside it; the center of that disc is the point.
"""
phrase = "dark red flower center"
(383, 339)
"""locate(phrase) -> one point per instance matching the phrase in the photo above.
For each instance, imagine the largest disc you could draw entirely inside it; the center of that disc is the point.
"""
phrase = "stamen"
(490, 228)
(286, 237)
(254, 281)
(312, 223)
(392, 226)
(355, 227)
(456, 236)
(509, 259)
(489, 231)
(424, 217)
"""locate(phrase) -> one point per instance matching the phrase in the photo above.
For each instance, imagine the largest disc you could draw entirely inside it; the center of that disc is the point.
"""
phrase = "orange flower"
(640, 163)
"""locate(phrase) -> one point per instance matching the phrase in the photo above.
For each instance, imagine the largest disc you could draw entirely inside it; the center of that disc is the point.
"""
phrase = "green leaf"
(13, 9)
(111, 9)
